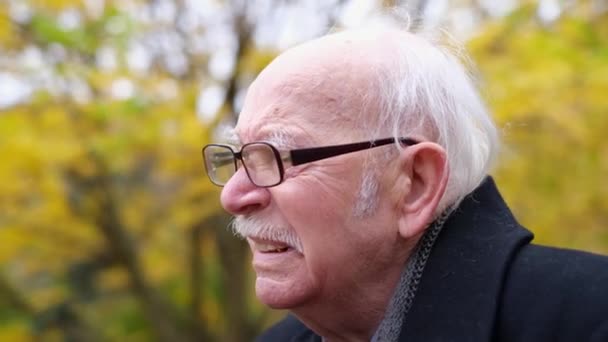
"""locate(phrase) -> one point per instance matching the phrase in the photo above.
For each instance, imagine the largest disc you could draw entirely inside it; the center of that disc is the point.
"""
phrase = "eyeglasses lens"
(220, 163)
(261, 164)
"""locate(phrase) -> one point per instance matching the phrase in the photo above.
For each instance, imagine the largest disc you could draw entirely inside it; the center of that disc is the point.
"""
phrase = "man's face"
(317, 248)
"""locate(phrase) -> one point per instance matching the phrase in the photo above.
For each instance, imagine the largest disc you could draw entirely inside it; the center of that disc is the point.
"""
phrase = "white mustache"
(245, 227)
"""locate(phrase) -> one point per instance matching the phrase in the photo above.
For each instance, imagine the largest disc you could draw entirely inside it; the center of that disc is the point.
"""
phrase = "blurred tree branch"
(107, 220)
(10, 296)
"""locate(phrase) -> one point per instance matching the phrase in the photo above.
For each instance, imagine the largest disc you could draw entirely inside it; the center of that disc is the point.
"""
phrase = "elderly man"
(359, 182)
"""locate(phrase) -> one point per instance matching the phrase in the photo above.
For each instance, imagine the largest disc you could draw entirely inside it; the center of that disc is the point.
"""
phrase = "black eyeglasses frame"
(303, 155)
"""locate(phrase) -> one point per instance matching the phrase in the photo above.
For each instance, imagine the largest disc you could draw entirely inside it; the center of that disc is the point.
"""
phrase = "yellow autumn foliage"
(547, 86)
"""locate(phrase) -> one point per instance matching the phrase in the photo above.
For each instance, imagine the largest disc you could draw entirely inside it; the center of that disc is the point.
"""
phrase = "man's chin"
(282, 294)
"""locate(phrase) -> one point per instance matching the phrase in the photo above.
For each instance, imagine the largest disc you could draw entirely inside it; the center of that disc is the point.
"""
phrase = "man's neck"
(354, 313)
(351, 316)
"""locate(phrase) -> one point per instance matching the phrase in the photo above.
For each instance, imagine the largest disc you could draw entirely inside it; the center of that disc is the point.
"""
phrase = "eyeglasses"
(265, 164)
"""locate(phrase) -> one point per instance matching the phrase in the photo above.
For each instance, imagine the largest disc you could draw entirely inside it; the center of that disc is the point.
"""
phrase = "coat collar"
(461, 286)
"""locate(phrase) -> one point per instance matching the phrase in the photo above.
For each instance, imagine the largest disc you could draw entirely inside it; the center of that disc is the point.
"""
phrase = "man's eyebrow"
(280, 138)
(229, 136)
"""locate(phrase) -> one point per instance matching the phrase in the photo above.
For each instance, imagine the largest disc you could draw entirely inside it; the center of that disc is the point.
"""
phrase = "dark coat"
(484, 281)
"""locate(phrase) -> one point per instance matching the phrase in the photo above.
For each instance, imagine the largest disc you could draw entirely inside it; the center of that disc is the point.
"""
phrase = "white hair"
(426, 91)
(367, 196)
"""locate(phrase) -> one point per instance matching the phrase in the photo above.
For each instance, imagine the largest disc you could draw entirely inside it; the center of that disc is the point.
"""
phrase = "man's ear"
(424, 167)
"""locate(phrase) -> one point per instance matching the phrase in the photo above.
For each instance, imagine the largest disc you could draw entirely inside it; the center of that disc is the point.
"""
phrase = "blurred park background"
(109, 229)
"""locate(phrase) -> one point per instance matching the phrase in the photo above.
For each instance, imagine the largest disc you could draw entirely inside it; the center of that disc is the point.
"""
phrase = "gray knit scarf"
(401, 301)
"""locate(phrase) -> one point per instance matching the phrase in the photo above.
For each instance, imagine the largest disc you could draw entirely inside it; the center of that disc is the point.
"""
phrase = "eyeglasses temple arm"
(307, 155)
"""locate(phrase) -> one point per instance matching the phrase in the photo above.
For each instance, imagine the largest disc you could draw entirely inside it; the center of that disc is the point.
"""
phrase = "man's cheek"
(334, 187)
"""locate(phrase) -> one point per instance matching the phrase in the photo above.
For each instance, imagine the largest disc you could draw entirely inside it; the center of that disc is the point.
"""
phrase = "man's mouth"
(265, 246)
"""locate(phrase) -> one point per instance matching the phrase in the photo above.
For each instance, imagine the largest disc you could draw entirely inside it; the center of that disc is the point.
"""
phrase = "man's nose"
(241, 197)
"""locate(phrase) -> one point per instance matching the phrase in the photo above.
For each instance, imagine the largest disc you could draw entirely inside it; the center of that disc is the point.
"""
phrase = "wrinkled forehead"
(319, 91)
